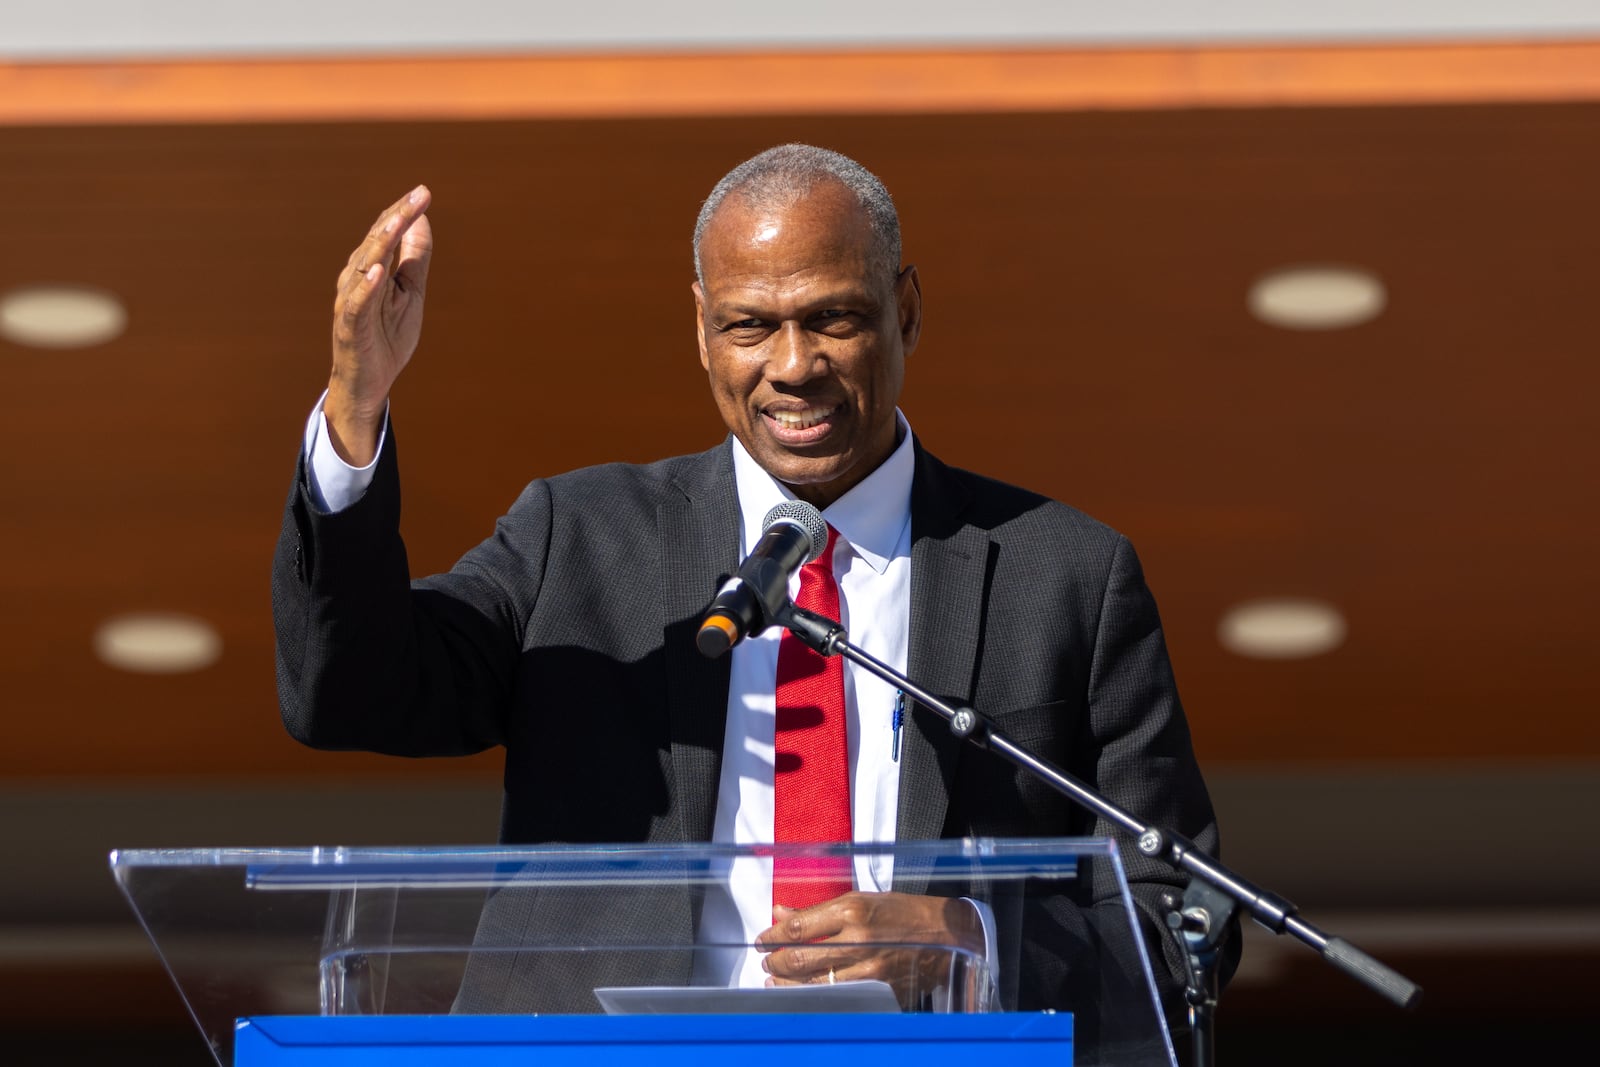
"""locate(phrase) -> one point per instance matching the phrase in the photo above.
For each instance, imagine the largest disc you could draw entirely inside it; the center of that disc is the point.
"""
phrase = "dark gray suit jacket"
(568, 638)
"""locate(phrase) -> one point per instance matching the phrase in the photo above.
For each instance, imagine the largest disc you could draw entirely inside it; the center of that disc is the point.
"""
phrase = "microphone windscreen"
(807, 517)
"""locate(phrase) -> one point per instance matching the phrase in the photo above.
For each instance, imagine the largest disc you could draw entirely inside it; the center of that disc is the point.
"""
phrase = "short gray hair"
(780, 176)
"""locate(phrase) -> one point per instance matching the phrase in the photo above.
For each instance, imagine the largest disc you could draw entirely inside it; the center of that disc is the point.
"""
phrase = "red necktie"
(811, 779)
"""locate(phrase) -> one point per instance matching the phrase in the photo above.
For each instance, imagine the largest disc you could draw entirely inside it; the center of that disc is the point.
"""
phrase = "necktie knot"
(822, 566)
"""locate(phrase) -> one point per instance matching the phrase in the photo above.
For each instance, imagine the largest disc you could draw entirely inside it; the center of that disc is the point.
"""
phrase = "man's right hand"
(377, 319)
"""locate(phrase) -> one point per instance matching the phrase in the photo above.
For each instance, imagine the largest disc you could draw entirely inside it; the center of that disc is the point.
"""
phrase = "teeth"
(800, 420)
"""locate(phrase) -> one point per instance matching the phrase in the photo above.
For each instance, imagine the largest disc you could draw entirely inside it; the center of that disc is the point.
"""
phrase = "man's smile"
(801, 425)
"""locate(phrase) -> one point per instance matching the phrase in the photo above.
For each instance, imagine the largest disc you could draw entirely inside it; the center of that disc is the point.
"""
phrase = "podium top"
(416, 931)
(933, 863)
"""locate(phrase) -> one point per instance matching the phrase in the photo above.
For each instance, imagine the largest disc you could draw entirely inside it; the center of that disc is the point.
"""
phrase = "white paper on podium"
(866, 995)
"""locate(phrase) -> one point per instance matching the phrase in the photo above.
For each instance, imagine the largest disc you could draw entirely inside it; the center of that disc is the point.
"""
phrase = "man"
(568, 636)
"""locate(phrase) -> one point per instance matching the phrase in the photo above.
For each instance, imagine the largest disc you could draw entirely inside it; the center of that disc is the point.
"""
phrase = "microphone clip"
(818, 632)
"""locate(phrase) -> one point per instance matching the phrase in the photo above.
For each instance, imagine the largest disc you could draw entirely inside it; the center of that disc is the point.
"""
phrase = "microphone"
(792, 534)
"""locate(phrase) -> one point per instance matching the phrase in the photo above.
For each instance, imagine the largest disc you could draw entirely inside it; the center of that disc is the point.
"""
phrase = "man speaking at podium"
(568, 636)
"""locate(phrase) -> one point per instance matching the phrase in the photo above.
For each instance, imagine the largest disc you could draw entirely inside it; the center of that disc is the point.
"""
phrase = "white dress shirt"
(872, 564)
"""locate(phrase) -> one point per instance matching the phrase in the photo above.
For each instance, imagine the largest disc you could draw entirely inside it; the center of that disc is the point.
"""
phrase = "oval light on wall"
(1282, 628)
(157, 643)
(60, 316)
(1311, 297)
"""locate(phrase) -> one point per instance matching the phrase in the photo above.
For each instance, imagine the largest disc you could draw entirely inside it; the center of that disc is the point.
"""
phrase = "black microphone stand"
(1201, 917)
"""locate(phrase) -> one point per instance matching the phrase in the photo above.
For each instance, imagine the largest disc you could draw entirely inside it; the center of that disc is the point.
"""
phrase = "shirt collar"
(872, 516)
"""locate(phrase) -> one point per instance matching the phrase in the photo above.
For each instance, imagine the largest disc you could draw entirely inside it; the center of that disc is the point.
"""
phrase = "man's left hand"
(887, 936)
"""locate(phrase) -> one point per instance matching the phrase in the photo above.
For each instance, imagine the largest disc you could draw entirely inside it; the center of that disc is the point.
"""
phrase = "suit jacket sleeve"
(1144, 758)
(366, 660)
(1134, 746)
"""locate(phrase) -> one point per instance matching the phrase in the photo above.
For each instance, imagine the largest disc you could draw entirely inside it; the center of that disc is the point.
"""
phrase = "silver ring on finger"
(832, 978)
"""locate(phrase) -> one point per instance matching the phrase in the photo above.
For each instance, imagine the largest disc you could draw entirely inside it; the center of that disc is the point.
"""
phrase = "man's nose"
(795, 357)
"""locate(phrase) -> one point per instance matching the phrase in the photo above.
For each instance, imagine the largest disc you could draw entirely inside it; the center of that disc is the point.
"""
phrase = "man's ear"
(908, 297)
(700, 324)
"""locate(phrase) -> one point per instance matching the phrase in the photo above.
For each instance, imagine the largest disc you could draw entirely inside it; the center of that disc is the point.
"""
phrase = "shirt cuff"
(335, 485)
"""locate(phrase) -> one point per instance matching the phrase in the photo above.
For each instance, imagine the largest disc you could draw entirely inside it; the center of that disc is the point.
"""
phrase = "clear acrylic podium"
(581, 954)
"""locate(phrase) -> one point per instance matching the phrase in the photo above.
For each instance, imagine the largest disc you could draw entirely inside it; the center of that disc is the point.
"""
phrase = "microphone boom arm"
(1278, 915)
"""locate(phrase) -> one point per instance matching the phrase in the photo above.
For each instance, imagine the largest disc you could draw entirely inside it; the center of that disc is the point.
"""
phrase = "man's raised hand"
(377, 320)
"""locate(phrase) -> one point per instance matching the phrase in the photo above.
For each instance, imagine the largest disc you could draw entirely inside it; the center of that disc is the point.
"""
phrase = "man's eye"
(834, 321)
(745, 324)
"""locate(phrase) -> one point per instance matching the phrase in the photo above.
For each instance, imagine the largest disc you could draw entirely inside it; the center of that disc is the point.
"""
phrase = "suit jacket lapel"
(699, 527)
(949, 565)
